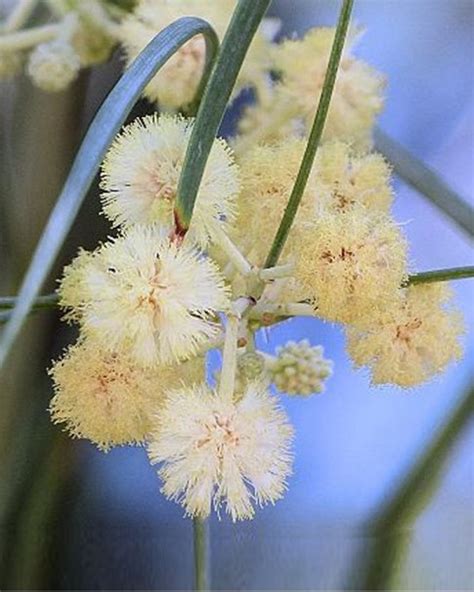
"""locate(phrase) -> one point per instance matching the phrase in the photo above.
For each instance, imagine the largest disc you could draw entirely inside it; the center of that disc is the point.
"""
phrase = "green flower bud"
(300, 369)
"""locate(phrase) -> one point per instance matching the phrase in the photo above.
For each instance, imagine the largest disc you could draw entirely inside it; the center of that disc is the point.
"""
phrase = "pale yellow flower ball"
(342, 180)
(53, 66)
(413, 340)
(301, 65)
(141, 172)
(147, 296)
(268, 173)
(177, 82)
(349, 262)
(104, 397)
(221, 453)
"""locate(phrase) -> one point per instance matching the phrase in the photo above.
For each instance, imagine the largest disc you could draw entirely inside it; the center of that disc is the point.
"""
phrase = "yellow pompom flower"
(147, 296)
(268, 173)
(54, 65)
(413, 340)
(141, 172)
(177, 82)
(342, 180)
(71, 286)
(218, 453)
(348, 263)
(302, 64)
(104, 397)
(339, 182)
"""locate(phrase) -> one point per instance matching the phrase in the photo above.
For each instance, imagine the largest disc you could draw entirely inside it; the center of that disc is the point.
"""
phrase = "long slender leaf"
(102, 131)
(426, 181)
(242, 28)
(389, 529)
(442, 275)
(314, 136)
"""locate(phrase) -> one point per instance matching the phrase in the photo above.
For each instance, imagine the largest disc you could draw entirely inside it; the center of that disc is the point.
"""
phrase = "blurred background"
(74, 518)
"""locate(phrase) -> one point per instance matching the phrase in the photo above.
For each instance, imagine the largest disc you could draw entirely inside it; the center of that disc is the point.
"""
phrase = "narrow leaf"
(314, 136)
(422, 178)
(242, 28)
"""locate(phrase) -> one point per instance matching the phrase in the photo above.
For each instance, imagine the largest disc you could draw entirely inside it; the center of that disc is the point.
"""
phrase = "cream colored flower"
(342, 180)
(104, 397)
(54, 65)
(339, 182)
(141, 172)
(411, 341)
(349, 262)
(177, 82)
(356, 101)
(221, 453)
(268, 174)
(147, 296)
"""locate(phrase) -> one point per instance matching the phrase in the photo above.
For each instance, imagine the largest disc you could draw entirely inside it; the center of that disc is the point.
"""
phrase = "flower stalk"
(236, 258)
(201, 554)
(28, 38)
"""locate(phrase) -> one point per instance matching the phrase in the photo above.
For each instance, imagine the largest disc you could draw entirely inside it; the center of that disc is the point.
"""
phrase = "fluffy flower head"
(350, 263)
(289, 106)
(357, 98)
(268, 173)
(413, 340)
(106, 398)
(53, 65)
(218, 452)
(141, 172)
(145, 295)
(343, 180)
(177, 82)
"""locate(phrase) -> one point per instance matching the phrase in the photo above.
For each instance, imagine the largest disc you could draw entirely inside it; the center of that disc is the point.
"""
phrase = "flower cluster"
(52, 54)
(176, 84)
(152, 300)
(290, 103)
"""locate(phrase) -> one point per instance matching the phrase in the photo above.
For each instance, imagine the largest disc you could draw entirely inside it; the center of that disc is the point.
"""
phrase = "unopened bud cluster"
(300, 368)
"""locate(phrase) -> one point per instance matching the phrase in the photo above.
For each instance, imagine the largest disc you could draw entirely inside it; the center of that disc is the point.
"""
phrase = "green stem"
(442, 275)
(314, 137)
(29, 37)
(390, 528)
(424, 277)
(201, 554)
(426, 181)
(244, 23)
(48, 301)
